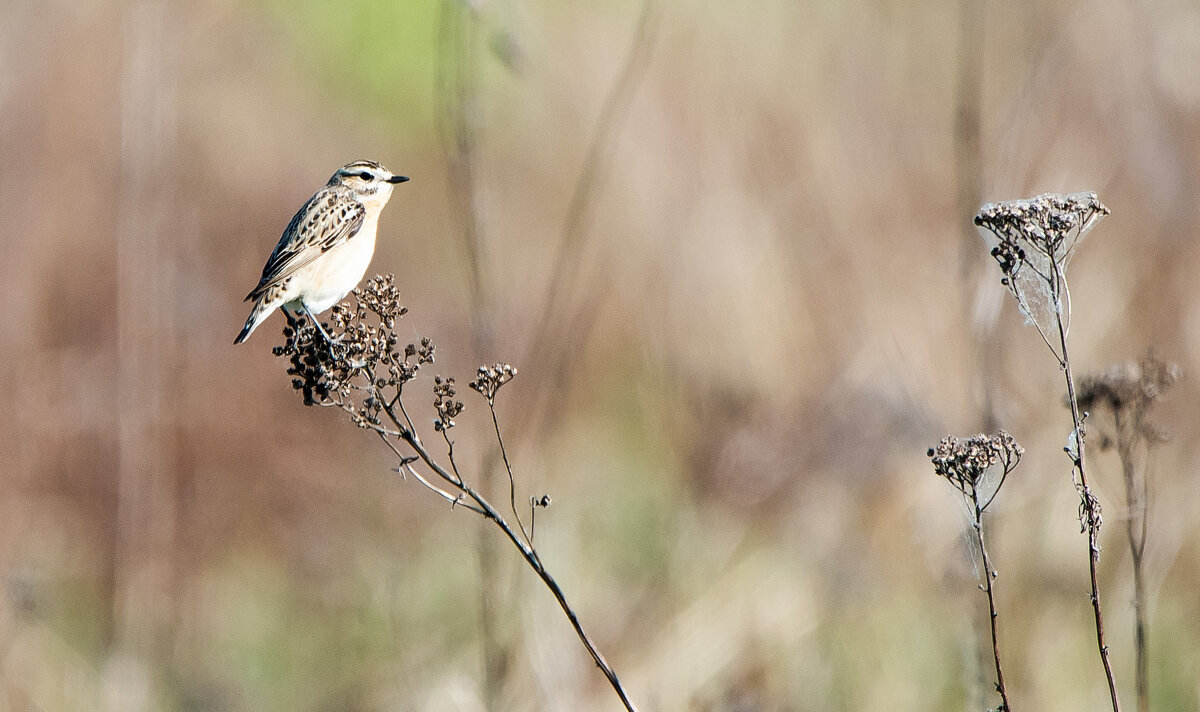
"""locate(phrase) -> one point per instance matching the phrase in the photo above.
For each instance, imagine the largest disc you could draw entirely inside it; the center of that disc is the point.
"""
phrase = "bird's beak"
(397, 179)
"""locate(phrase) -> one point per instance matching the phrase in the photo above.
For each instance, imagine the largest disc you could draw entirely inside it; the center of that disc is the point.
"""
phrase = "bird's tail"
(262, 310)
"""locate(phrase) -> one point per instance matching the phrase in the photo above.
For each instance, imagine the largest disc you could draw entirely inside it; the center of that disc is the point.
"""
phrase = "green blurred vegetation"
(377, 57)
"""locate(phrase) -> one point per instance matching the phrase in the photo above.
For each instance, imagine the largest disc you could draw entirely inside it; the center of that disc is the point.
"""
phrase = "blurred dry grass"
(772, 326)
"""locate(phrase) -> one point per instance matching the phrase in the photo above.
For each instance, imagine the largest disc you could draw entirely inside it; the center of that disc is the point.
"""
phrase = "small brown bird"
(326, 248)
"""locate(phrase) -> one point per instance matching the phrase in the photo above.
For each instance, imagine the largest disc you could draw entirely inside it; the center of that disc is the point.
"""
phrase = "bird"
(326, 248)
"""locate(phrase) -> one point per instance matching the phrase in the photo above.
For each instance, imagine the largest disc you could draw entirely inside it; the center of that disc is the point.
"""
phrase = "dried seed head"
(1129, 391)
(364, 368)
(965, 463)
(1129, 385)
(1050, 225)
(443, 401)
(489, 379)
(1032, 241)
(363, 355)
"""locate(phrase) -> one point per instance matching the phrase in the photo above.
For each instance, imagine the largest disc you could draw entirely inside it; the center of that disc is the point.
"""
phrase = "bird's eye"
(365, 176)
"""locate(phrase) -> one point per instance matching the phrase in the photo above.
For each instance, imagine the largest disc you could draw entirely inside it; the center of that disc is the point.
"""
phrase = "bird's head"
(368, 179)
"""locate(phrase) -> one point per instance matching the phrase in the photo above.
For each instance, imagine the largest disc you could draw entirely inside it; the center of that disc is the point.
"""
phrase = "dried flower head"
(1032, 241)
(443, 401)
(966, 463)
(1129, 390)
(489, 379)
(364, 356)
(380, 296)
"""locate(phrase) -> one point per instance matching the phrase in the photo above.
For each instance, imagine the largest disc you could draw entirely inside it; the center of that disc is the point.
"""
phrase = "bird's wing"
(326, 221)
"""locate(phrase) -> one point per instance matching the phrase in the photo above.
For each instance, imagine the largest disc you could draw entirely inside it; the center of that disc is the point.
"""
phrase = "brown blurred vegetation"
(779, 305)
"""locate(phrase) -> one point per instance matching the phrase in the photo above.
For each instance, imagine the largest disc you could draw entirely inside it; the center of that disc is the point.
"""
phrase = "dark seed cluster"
(965, 462)
(364, 355)
(489, 379)
(443, 402)
(363, 369)
(1129, 391)
(1032, 241)
(1049, 224)
(1128, 386)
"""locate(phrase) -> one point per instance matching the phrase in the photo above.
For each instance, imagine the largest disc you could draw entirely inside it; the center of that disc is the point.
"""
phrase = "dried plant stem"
(364, 371)
(1135, 531)
(1143, 659)
(458, 68)
(563, 325)
(1036, 238)
(989, 576)
(1139, 609)
(965, 464)
(512, 483)
(530, 555)
(1089, 507)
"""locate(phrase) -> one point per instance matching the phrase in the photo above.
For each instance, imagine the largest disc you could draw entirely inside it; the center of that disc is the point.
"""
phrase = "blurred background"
(729, 248)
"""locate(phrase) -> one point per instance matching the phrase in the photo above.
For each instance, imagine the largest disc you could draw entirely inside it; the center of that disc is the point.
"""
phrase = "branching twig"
(488, 380)
(364, 374)
(531, 557)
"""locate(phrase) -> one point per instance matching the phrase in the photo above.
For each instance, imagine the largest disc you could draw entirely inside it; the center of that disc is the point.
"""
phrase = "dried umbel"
(1129, 390)
(364, 357)
(489, 379)
(1032, 241)
(969, 466)
(966, 464)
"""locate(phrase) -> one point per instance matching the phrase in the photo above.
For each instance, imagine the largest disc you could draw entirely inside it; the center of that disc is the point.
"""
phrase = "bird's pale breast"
(325, 281)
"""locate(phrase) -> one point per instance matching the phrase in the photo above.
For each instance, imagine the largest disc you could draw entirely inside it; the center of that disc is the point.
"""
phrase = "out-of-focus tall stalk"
(968, 174)
(1129, 391)
(146, 502)
(561, 329)
(457, 100)
(967, 116)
